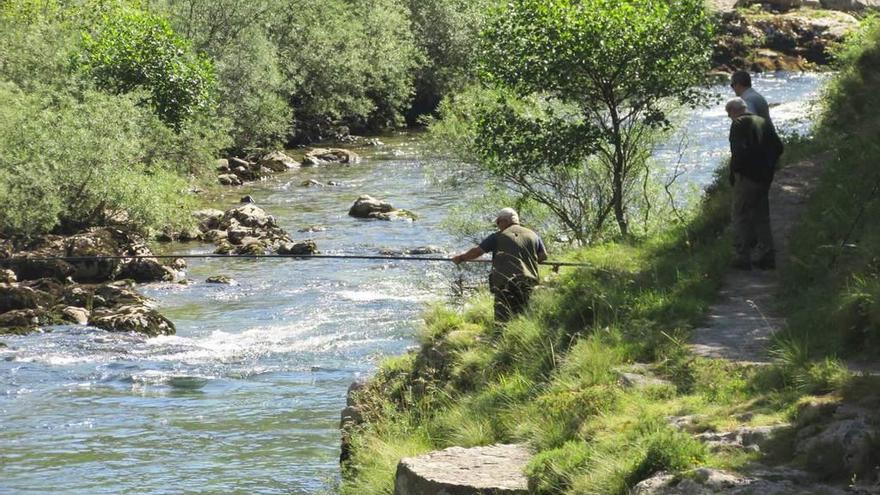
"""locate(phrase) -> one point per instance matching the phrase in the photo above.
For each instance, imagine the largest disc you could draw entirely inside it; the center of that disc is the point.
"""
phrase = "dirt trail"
(741, 323)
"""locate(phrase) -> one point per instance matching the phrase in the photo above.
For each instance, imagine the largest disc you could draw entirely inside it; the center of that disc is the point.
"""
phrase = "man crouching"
(516, 252)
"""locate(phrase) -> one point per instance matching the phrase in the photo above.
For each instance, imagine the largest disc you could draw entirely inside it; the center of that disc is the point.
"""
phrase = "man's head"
(735, 107)
(740, 81)
(506, 217)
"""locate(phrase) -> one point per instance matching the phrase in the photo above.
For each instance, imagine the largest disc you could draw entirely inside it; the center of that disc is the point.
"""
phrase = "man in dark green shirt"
(755, 149)
(516, 252)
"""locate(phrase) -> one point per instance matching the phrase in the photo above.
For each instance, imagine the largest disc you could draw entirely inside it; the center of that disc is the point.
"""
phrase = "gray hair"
(735, 105)
(508, 214)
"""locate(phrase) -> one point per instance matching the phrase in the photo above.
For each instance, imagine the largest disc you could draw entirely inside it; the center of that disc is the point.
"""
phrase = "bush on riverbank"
(94, 143)
(833, 289)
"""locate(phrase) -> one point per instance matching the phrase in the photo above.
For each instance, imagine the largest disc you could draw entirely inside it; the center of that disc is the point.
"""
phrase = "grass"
(833, 288)
(549, 378)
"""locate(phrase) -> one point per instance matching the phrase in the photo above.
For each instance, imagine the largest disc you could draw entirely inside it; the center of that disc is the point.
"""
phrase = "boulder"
(73, 314)
(229, 180)
(75, 295)
(235, 162)
(247, 199)
(842, 447)
(30, 269)
(146, 270)
(107, 296)
(7, 276)
(277, 161)
(14, 297)
(745, 438)
(416, 251)
(312, 183)
(851, 5)
(215, 235)
(369, 207)
(324, 156)
(208, 219)
(495, 469)
(252, 246)
(222, 165)
(132, 318)
(248, 215)
(716, 482)
(189, 234)
(299, 248)
(640, 381)
(20, 320)
(796, 40)
(238, 234)
(220, 279)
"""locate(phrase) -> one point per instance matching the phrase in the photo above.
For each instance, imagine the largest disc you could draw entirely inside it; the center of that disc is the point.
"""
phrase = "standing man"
(516, 252)
(741, 83)
(754, 150)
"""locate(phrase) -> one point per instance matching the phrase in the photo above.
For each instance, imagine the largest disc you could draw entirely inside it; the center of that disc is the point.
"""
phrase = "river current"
(246, 397)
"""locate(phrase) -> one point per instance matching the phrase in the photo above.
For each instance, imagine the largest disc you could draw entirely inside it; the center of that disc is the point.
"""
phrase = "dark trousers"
(751, 219)
(511, 300)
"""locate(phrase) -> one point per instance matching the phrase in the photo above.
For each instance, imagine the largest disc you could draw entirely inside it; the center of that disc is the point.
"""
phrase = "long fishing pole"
(263, 256)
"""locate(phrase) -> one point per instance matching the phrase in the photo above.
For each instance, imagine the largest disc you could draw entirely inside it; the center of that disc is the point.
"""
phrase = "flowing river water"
(246, 397)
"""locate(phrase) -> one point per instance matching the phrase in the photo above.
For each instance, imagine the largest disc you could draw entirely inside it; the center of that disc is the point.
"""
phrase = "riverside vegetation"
(550, 378)
(112, 114)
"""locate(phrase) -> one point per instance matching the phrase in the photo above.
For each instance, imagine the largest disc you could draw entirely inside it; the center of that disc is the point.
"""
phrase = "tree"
(129, 48)
(448, 33)
(250, 84)
(612, 66)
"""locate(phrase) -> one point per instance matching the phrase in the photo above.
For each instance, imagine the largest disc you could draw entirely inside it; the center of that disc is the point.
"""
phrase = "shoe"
(767, 263)
(741, 264)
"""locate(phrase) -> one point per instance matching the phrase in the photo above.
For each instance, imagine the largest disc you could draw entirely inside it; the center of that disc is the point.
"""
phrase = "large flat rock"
(491, 470)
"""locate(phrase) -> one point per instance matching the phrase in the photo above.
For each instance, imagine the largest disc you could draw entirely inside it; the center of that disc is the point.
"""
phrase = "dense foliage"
(104, 118)
(581, 90)
(129, 49)
(168, 85)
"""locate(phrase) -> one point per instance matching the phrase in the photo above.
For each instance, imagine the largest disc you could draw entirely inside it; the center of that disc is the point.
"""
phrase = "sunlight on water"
(246, 397)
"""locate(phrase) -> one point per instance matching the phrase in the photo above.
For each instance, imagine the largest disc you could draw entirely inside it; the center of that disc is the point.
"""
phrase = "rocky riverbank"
(764, 38)
(37, 290)
(235, 171)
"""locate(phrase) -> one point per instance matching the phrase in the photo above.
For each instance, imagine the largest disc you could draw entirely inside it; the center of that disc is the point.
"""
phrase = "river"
(246, 397)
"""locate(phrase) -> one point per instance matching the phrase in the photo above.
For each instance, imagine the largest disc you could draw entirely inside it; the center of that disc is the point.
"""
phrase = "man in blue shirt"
(516, 252)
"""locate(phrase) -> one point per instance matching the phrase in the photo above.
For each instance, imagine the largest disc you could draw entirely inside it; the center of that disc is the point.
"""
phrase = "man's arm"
(542, 250)
(739, 145)
(471, 254)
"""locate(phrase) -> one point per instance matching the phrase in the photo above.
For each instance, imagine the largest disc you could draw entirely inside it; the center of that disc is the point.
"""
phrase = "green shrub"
(129, 49)
(666, 450)
(74, 163)
(551, 471)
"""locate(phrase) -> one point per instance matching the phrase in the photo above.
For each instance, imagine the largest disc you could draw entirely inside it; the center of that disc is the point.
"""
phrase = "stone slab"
(490, 470)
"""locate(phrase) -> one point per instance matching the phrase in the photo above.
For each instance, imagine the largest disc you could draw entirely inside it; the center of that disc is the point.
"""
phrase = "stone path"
(491, 470)
(741, 324)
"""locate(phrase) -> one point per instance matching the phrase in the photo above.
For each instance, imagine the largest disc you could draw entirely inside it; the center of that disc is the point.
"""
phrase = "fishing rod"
(75, 259)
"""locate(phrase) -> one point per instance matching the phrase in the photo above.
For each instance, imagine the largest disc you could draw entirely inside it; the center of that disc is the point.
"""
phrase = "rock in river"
(369, 207)
(277, 161)
(324, 156)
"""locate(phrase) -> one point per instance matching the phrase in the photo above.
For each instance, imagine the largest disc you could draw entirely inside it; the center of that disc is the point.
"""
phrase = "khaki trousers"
(751, 219)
